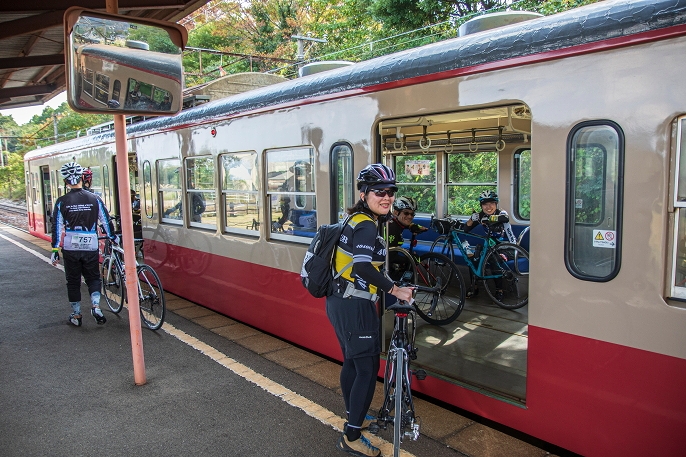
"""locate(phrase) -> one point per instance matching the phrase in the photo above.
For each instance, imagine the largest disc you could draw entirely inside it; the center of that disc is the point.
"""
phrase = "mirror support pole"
(124, 184)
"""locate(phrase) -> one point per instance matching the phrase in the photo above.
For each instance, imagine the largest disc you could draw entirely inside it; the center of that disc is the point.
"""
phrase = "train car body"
(592, 98)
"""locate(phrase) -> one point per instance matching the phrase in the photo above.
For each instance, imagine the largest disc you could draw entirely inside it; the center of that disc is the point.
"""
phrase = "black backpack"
(317, 273)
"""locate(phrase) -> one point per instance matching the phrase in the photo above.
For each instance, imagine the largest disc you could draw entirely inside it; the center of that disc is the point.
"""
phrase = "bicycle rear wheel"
(441, 294)
(112, 286)
(444, 245)
(401, 266)
(151, 297)
(506, 275)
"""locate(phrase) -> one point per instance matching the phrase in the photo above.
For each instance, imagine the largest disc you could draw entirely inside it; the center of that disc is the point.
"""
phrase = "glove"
(55, 257)
(475, 217)
(493, 218)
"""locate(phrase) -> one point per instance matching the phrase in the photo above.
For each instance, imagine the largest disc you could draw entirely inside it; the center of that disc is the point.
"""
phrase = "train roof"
(166, 65)
(589, 24)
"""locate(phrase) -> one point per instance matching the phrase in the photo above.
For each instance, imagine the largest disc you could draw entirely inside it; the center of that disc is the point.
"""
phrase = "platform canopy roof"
(32, 42)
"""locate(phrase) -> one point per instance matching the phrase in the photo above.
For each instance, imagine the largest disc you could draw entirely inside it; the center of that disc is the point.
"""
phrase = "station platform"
(214, 386)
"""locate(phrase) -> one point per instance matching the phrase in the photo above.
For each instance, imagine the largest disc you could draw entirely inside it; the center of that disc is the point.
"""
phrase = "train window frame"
(201, 193)
(424, 178)
(342, 177)
(233, 200)
(280, 162)
(605, 242)
(518, 181)
(175, 187)
(477, 186)
(106, 192)
(148, 191)
(677, 284)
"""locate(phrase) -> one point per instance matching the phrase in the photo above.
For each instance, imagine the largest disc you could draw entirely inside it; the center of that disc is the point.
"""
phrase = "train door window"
(147, 194)
(343, 190)
(88, 82)
(34, 185)
(200, 192)
(106, 191)
(116, 90)
(469, 174)
(416, 178)
(678, 280)
(291, 193)
(240, 192)
(595, 166)
(169, 190)
(522, 184)
(96, 185)
(102, 88)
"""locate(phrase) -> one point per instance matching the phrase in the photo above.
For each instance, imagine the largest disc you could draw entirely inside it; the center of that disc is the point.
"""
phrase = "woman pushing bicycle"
(360, 255)
(496, 223)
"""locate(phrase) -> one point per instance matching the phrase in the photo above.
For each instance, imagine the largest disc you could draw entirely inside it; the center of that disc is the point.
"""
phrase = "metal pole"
(126, 214)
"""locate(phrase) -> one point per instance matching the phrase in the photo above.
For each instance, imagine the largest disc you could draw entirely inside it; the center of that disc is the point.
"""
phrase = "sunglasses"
(381, 193)
(408, 213)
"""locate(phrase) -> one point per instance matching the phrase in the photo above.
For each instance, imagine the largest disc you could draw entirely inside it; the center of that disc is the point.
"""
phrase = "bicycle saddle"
(401, 306)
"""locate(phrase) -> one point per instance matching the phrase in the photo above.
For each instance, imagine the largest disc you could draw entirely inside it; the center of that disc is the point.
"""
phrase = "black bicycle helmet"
(376, 174)
(71, 172)
(402, 203)
(488, 196)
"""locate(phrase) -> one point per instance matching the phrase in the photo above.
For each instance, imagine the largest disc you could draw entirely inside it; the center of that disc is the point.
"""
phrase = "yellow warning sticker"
(604, 239)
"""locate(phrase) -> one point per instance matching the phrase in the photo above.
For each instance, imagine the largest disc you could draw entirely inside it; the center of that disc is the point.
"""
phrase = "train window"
(102, 88)
(343, 190)
(292, 202)
(678, 280)
(169, 190)
(416, 178)
(96, 184)
(200, 191)
(106, 194)
(88, 82)
(469, 174)
(595, 164)
(240, 192)
(148, 190)
(522, 184)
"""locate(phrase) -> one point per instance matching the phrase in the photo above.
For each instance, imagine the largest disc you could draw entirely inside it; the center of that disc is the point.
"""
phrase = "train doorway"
(47, 203)
(445, 162)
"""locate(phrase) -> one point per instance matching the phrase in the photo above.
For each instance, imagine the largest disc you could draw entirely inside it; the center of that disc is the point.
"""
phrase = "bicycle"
(398, 406)
(439, 286)
(502, 267)
(150, 293)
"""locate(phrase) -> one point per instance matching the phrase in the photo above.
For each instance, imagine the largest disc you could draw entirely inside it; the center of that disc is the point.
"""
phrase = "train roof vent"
(318, 67)
(133, 44)
(495, 20)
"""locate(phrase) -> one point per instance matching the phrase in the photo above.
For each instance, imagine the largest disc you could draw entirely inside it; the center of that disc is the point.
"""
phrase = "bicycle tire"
(443, 305)
(400, 382)
(151, 297)
(443, 244)
(402, 267)
(507, 263)
(112, 286)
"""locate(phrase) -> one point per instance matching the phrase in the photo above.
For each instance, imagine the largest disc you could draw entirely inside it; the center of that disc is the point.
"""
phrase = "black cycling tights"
(358, 380)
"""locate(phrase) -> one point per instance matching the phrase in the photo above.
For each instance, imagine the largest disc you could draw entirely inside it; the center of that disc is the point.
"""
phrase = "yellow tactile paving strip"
(453, 430)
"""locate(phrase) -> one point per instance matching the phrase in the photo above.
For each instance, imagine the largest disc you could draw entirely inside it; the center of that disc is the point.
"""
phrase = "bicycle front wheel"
(401, 370)
(112, 285)
(151, 297)
(441, 292)
(444, 245)
(506, 275)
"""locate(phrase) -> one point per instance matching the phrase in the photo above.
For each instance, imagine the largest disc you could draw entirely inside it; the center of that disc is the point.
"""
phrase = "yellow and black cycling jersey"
(361, 254)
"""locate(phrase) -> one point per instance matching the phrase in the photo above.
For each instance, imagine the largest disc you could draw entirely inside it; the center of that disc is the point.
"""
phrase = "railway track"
(14, 215)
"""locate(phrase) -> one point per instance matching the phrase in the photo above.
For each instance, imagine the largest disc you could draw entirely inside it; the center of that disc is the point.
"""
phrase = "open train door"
(46, 197)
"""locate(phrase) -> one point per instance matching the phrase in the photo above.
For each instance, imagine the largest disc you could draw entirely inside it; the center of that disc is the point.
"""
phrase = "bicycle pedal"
(420, 374)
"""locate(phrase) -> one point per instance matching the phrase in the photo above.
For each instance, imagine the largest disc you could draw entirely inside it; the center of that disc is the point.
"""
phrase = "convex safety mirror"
(122, 65)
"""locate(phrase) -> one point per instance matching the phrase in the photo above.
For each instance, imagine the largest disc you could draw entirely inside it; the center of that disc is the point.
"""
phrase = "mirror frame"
(177, 33)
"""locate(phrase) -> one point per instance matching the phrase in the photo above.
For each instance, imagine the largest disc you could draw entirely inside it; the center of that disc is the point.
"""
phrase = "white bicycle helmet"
(402, 203)
(71, 172)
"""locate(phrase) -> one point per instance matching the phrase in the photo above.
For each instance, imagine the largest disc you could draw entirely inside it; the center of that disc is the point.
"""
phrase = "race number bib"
(76, 241)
